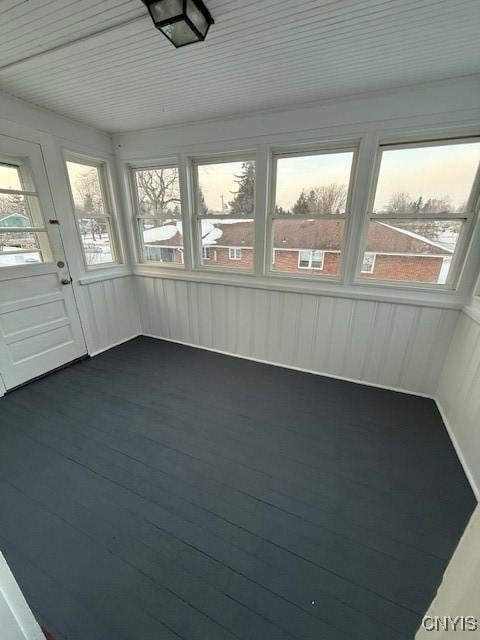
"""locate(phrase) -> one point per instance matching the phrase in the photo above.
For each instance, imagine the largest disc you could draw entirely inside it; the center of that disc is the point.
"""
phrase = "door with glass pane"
(39, 322)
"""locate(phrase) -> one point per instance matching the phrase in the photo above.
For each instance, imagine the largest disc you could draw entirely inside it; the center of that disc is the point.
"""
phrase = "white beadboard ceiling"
(102, 61)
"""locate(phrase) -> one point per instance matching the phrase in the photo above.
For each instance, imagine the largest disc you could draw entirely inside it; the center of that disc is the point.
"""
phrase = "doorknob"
(66, 280)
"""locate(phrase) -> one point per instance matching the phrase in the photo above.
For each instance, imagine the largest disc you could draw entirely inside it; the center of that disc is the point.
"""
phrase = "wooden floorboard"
(159, 491)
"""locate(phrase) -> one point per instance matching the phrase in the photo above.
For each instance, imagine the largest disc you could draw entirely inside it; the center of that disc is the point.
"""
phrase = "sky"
(9, 178)
(218, 179)
(432, 172)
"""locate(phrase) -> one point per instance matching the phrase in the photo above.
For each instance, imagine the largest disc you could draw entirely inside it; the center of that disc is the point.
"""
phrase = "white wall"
(458, 592)
(107, 309)
(111, 306)
(394, 345)
(458, 393)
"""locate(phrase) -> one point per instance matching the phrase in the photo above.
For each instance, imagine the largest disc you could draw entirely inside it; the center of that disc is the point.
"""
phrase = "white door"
(39, 322)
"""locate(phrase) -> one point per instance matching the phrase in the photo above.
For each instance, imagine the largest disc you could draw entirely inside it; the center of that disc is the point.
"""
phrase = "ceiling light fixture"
(181, 21)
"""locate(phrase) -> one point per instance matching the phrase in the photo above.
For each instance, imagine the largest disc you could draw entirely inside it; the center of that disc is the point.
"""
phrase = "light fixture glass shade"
(199, 20)
(165, 10)
(179, 33)
(181, 21)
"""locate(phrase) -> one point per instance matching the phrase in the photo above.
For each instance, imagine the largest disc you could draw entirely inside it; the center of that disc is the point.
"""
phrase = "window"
(23, 237)
(224, 212)
(159, 214)
(368, 264)
(311, 203)
(93, 210)
(206, 253)
(311, 259)
(422, 206)
(234, 253)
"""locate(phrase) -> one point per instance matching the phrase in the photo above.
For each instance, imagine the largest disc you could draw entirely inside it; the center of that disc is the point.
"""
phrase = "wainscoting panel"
(109, 312)
(458, 395)
(392, 345)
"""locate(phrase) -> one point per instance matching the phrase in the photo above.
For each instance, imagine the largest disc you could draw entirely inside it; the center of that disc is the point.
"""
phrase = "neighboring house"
(15, 220)
(309, 246)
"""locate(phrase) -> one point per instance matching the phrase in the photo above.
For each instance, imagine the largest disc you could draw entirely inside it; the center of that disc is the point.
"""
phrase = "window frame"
(172, 163)
(469, 218)
(25, 175)
(348, 146)
(196, 219)
(110, 216)
(233, 251)
(310, 259)
(374, 258)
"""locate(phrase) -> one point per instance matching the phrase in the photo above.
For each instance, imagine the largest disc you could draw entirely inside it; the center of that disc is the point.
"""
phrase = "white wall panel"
(394, 345)
(458, 395)
(109, 312)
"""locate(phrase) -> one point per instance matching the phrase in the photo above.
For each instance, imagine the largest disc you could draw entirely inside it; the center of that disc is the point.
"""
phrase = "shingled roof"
(323, 234)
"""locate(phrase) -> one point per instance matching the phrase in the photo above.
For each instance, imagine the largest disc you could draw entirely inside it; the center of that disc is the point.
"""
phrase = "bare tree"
(402, 202)
(158, 192)
(89, 194)
(330, 198)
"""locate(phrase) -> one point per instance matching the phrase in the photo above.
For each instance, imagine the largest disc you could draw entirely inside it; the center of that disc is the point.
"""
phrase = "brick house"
(313, 247)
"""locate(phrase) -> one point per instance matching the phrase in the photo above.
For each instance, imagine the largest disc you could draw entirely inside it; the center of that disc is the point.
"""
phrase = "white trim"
(458, 450)
(15, 602)
(100, 277)
(114, 344)
(286, 366)
(472, 311)
(298, 284)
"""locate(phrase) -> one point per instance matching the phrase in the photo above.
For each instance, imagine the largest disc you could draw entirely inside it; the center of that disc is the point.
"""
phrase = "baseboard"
(114, 344)
(293, 368)
(456, 446)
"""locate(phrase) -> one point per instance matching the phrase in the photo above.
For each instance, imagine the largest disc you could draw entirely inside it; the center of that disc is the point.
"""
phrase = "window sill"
(378, 293)
(99, 276)
(472, 310)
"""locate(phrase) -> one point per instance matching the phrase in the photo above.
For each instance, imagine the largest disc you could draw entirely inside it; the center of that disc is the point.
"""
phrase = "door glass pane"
(20, 211)
(162, 240)
(307, 247)
(226, 188)
(86, 189)
(158, 192)
(10, 178)
(313, 184)
(229, 243)
(96, 239)
(435, 179)
(413, 251)
(22, 248)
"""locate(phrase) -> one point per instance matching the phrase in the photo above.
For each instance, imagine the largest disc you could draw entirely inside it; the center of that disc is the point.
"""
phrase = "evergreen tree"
(243, 201)
(301, 205)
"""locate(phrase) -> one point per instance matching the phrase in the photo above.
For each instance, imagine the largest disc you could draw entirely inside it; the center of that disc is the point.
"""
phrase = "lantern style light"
(181, 21)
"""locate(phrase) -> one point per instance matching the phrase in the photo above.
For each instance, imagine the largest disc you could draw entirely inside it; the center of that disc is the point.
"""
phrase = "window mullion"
(262, 190)
(188, 217)
(357, 224)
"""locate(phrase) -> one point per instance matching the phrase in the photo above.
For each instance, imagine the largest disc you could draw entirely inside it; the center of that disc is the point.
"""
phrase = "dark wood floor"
(159, 491)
